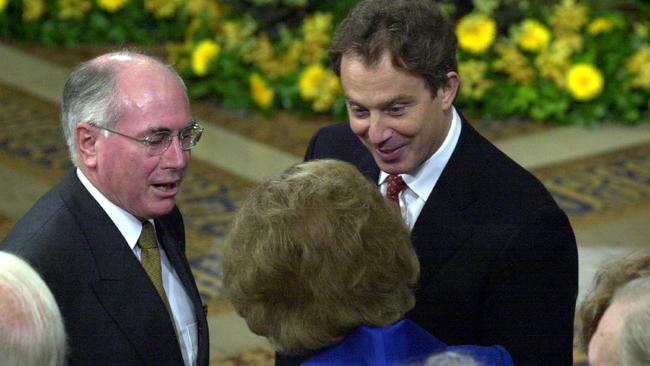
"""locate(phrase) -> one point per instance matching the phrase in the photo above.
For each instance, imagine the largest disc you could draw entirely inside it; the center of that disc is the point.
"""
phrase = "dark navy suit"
(499, 258)
(112, 313)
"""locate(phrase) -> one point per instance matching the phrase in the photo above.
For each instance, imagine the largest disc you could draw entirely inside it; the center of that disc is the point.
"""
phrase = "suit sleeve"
(535, 278)
(310, 153)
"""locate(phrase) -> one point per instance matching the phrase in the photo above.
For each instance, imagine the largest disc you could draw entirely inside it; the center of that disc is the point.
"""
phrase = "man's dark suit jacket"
(498, 256)
(112, 312)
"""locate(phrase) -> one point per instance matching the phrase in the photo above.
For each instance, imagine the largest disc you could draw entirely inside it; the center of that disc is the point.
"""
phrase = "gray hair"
(31, 326)
(91, 95)
(450, 358)
(634, 341)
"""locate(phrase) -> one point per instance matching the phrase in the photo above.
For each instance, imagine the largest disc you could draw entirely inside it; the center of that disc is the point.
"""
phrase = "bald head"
(91, 92)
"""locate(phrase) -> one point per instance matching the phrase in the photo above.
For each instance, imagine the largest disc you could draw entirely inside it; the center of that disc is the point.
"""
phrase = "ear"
(449, 91)
(86, 139)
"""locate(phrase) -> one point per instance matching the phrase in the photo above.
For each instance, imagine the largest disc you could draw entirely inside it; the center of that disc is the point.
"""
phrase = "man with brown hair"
(499, 258)
(322, 265)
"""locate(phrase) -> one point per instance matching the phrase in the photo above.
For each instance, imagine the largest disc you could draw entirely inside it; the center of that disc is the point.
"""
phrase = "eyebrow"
(399, 99)
(165, 129)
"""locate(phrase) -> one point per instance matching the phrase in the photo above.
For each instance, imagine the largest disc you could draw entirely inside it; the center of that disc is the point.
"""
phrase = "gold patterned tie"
(150, 259)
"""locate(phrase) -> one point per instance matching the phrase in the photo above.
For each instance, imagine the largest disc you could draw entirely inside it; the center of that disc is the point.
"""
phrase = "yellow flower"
(600, 25)
(292, 55)
(330, 91)
(316, 38)
(3, 5)
(639, 65)
(532, 35)
(73, 9)
(474, 82)
(162, 9)
(584, 81)
(319, 22)
(260, 91)
(513, 63)
(568, 17)
(319, 85)
(233, 33)
(33, 10)
(112, 6)
(570, 43)
(199, 8)
(203, 55)
(265, 56)
(476, 32)
(261, 51)
(309, 80)
(554, 62)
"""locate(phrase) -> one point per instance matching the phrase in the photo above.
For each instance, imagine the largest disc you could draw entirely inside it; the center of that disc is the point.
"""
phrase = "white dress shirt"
(179, 302)
(421, 182)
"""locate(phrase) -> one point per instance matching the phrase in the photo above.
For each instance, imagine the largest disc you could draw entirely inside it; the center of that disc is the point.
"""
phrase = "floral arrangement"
(570, 65)
(250, 67)
(71, 22)
(567, 63)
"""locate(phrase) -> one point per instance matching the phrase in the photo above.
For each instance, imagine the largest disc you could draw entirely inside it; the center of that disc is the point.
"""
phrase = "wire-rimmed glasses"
(158, 142)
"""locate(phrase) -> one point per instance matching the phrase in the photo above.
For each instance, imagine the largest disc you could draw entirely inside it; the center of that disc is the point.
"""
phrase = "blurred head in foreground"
(615, 315)
(31, 326)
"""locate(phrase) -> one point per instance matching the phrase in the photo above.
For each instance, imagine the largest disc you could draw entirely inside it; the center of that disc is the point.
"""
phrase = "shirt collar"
(128, 225)
(424, 178)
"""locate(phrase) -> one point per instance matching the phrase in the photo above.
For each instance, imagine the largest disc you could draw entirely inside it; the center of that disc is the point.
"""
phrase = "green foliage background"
(282, 23)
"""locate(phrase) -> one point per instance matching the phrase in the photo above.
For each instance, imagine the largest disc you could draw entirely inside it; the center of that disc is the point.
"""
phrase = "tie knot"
(148, 236)
(395, 186)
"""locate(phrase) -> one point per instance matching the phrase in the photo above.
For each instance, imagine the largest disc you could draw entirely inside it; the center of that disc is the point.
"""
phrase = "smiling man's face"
(394, 114)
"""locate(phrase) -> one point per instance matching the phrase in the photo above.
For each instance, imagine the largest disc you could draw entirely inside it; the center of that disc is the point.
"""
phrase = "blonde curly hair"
(315, 253)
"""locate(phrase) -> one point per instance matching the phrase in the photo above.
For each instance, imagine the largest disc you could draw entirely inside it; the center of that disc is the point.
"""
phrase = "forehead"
(376, 84)
(151, 97)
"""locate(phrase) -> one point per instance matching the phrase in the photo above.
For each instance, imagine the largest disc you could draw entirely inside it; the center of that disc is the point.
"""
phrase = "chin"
(161, 210)
(395, 168)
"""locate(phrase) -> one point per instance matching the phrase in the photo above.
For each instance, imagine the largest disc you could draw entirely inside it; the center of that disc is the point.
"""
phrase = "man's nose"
(175, 156)
(377, 130)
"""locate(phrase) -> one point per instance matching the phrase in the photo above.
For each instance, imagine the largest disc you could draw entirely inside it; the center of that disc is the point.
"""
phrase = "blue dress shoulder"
(403, 343)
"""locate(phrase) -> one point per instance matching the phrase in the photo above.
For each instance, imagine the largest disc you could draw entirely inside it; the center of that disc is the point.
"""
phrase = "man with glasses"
(109, 240)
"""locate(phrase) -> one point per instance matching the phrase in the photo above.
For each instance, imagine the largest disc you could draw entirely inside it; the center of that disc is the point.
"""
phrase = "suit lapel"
(122, 286)
(439, 231)
(442, 228)
(181, 265)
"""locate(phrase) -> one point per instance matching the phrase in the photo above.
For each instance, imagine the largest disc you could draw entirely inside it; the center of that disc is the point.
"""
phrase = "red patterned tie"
(395, 186)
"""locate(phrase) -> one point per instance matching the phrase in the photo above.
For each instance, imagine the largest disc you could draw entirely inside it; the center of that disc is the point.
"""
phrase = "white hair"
(31, 326)
(450, 358)
(634, 341)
